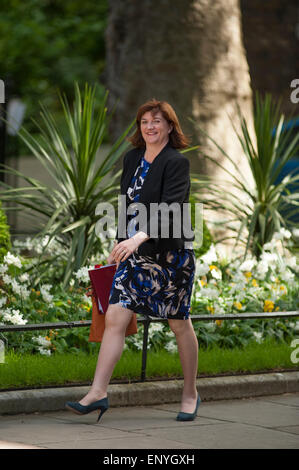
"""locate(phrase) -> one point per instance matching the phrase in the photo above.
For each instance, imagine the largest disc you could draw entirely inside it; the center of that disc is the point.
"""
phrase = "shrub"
(5, 244)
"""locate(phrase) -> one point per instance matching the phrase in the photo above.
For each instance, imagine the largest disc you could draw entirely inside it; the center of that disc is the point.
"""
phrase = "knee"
(179, 327)
(116, 320)
(110, 320)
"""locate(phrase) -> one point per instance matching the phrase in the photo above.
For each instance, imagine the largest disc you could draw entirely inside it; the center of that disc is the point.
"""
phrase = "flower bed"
(221, 286)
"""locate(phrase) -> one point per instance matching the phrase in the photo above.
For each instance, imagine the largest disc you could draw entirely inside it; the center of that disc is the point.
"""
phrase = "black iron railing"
(146, 323)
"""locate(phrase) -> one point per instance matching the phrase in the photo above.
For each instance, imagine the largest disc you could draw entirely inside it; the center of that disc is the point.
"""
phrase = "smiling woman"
(163, 118)
(154, 130)
(155, 273)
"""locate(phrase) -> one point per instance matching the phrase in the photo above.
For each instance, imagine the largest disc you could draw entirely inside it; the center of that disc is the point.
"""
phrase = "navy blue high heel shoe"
(189, 416)
(101, 405)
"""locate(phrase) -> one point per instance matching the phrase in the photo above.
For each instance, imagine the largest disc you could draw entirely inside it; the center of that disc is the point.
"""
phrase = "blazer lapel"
(131, 168)
(149, 180)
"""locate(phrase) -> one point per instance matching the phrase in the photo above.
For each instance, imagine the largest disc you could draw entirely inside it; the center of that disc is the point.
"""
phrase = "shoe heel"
(101, 413)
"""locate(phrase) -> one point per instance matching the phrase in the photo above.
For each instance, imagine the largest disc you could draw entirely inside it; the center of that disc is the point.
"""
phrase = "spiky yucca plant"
(67, 211)
(254, 218)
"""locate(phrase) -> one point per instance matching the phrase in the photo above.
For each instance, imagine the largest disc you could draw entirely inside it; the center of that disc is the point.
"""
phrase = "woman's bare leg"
(188, 352)
(116, 322)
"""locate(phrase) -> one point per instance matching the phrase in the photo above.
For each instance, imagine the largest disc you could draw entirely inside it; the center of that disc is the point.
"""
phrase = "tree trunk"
(189, 53)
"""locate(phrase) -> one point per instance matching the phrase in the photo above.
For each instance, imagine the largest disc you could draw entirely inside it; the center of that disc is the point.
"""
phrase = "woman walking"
(154, 273)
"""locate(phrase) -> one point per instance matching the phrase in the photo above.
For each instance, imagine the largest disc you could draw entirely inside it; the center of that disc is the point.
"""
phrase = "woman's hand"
(124, 249)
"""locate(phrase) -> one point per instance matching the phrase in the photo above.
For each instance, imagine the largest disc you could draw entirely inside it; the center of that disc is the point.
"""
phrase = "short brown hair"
(177, 139)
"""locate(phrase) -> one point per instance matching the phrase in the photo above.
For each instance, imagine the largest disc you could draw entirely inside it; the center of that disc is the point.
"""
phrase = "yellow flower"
(211, 309)
(69, 301)
(219, 322)
(248, 274)
(277, 308)
(47, 338)
(283, 288)
(37, 292)
(268, 306)
(213, 267)
(238, 305)
(203, 282)
(254, 283)
(86, 307)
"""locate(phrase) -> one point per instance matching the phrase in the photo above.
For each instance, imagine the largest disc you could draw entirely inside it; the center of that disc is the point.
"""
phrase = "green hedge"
(5, 243)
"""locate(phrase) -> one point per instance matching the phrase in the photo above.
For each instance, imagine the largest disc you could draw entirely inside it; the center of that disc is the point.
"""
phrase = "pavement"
(258, 411)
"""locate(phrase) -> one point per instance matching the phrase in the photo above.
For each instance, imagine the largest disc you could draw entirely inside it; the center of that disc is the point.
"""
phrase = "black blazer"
(167, 180)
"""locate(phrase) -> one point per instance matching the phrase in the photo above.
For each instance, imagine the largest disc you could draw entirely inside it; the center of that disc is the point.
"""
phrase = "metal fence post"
(146, 325)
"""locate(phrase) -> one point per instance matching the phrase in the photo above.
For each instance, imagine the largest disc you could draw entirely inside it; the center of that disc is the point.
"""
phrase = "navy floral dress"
(159, 285)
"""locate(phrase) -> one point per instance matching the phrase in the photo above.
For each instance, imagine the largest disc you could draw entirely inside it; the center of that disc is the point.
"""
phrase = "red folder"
(101, 280)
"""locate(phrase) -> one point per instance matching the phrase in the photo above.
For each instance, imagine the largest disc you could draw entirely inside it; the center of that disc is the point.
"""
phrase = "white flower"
(42, 341)
(248, 265)
(82, 274)
(282, 234)
(11, 259)
(287, 275)
(44, 352)
(218, 309)
(155, 327)
(292, 262)
(229, 303)
(171, 347)
(14, 317)
(211, 293)
(24, 292)
(258, 337)
(3, 268)
(239, 297)
(270, 245)
(44, 290)
(295, 232)
(262, 269)
(16, 287)
(216, 273)
(2, 301)
(201, 268)
(269, 257)
(238, 278)
(7, 279)
(87, 300)
(210, 256)
(24, 277)
(239, 286)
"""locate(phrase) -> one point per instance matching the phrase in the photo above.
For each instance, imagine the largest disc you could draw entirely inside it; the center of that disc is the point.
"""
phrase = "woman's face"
(154, 128)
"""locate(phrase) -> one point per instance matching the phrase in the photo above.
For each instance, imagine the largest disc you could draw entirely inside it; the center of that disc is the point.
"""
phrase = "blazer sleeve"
(175, 186)
(176, 180)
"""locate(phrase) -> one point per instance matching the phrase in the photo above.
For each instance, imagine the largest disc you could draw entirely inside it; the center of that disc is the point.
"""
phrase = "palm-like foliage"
(67, 212)
(265, 207)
